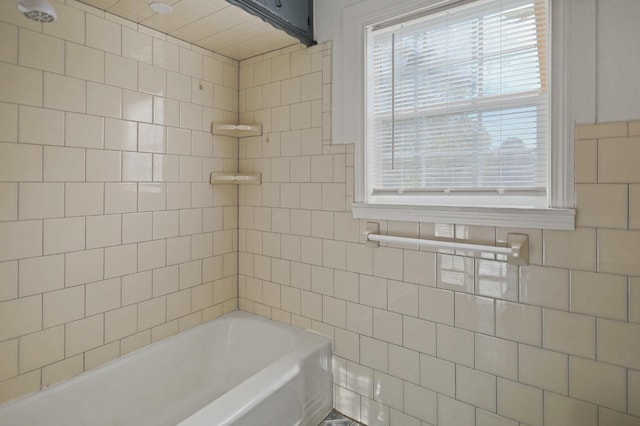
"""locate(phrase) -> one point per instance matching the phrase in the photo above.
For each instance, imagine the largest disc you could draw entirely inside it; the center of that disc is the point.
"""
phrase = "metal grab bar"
(517, 249)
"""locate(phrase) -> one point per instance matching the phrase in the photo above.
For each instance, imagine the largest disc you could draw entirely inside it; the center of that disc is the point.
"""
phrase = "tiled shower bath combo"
(112, 238)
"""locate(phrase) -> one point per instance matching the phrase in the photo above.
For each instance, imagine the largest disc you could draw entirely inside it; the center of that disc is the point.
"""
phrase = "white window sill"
(558, 219)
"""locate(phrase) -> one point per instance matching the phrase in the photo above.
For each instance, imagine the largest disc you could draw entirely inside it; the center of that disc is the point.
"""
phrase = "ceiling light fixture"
(162, 8)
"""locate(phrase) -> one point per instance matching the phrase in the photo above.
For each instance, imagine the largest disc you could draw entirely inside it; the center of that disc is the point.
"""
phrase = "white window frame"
(561, 213)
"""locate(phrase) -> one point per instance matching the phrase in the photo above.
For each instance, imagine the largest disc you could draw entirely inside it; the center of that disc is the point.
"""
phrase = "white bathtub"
(238, 369)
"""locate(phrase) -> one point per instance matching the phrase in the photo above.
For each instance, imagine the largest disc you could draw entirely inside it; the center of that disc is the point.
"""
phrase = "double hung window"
(457, 106)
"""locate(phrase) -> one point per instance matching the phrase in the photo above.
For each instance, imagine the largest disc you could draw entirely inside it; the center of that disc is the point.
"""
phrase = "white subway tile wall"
(423, 338)
(111, 236)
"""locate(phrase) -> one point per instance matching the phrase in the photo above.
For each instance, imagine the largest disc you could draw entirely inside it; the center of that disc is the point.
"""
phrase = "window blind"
(457, 102)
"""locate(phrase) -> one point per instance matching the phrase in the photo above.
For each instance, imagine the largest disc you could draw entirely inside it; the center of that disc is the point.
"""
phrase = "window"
(456, 124)
(457, 104)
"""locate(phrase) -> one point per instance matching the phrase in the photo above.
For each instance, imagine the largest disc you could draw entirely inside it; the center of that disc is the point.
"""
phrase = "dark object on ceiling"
(295, 17)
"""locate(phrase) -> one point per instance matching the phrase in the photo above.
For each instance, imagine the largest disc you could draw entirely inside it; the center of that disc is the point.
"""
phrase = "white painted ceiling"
(214, 25)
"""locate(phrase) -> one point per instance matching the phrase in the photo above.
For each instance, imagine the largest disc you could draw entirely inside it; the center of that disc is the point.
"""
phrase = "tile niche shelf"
(236, 130)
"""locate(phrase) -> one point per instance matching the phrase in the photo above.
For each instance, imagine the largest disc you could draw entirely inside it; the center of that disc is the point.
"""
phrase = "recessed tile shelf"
(236, 178)
(236, 130)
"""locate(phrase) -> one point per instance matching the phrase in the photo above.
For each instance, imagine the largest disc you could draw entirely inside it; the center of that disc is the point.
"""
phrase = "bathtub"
(239, 369)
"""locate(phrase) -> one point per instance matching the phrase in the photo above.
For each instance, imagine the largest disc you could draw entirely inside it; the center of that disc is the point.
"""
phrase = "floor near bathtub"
(336, 419)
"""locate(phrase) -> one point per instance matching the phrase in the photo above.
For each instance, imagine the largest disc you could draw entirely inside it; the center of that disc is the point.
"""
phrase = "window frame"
(560, 213)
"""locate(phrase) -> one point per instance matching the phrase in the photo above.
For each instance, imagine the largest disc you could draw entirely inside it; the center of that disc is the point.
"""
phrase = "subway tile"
(520, 323)
(373, 291)
(388, 390)
(20, 85)
(64, 235)
(614, 418)
(137, 227)
(120, 260)
(455, 273)
(634, 206)
(85, 131)
(602, 130)
(120, 135)
(596, 382)
(419, 335)
(9, 122)
(84, 199)
(102, 296)
(476, 388)
(474, 313)
(151, 313)
(600, 295)
(418, 402)
(20, 316)
(9, 279)
(41, 274)
(62, 370)
(454, 413)
(403, 297)
(65, 93)
(360, 319)
(20, 385)
(9, 355)
(62, 164)
(9, 48)
(374, 353)
(40, 51)
(496, 356)
(41, 200)
(178, 304)
(419, 267)
(571, 249)
(22, 163)
(615, 160)
(569, 333)
(84, 62)
(617, 252)
(166, 111)
(120, 197)
(190, 116)
(21, 239)
(84, 267)
(633, 381)
(436, 305)
(386, 325)
(563, 411)
(619, 343)
(634, 299)
(543, 369)
(497, 279)
(41, 348)
(601, 206)
(40, 126)
(484, 418)
(586, 161)
(166, 168)
(437, 374)
(136, 287)
(520, 402)
(103, 34)
(104, 231)
(387, 263)
(455, 345)
(121, 72)
(547, 287)
(137, 106)
(136, 45)
(62, 306)
(120, 323)
(103, 165)
(404, 364)
(84, 334)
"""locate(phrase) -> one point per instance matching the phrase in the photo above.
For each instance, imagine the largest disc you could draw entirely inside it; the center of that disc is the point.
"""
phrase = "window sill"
(558, 219)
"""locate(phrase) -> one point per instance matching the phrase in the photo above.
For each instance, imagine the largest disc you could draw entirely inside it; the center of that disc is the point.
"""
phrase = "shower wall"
(111, 236)
(425, 338)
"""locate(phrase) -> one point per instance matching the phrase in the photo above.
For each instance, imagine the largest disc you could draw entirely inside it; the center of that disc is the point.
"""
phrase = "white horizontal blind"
(458, 102)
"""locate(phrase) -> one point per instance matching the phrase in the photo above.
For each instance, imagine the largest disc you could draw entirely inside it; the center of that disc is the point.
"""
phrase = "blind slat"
(457, 100)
